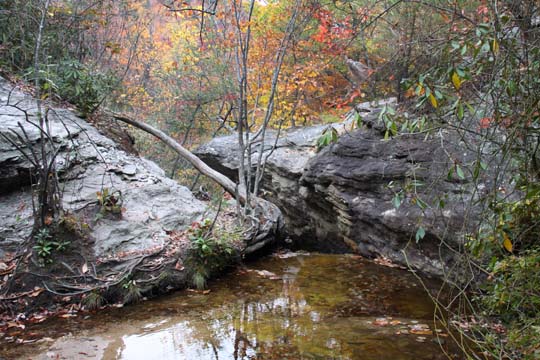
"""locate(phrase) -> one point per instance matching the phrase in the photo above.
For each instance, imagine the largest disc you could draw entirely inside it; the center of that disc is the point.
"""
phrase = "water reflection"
(301, 307)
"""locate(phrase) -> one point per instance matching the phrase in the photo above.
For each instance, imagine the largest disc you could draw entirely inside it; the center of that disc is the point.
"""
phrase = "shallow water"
(298, 307)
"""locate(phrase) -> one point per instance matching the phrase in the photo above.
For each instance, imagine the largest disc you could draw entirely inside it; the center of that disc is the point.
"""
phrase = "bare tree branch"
(227, 184)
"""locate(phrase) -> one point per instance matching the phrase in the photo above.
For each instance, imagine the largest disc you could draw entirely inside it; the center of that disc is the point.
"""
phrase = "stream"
(288, 306)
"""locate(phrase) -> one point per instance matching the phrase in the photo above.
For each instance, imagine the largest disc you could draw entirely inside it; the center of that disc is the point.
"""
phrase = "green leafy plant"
(407, 191)
(93, 300)
(329, 136)
(512, 296)
(76, 83)
(131, 292)
(46, 245)
(403, 123)
(110, 201)
(209, 252)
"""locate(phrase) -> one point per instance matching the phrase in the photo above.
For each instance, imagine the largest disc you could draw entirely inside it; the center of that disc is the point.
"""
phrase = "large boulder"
(88, 163)
(340, 198)
(125, 230)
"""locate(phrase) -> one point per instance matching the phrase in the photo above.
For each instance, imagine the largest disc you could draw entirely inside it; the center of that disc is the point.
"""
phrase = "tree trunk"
(227, 184)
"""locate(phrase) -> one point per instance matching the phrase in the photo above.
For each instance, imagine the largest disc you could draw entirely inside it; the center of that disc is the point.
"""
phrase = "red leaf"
(485, 123)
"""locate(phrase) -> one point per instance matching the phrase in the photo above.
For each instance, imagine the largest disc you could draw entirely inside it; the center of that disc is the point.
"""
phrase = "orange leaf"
(409, 93)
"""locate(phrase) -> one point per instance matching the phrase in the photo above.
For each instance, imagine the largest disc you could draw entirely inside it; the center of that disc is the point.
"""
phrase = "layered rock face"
(87, 163)
(340, 198)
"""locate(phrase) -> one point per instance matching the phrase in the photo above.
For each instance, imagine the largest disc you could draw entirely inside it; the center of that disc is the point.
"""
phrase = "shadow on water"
(297, 306)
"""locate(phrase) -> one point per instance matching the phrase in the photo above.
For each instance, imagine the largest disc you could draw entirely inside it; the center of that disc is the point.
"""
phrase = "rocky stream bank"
(338, 199)
(125, 226)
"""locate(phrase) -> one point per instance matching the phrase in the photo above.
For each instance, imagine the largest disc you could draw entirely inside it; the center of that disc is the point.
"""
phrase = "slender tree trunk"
(227, 184)
(48, 196)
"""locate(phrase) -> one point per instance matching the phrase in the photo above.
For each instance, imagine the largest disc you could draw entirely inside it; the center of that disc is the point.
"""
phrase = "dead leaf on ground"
(12, 324)
(68, 315)
(384, 261)
(36, 292)
(5, 269)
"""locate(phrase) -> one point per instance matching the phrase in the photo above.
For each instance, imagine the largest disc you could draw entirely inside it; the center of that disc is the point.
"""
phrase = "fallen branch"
(239, 192)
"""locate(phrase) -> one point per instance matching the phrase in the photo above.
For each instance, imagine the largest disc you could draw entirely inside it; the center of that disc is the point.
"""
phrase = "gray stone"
(339, 199)
(88, 163)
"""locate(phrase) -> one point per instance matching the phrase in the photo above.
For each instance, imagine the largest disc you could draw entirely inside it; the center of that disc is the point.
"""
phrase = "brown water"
(310, 307)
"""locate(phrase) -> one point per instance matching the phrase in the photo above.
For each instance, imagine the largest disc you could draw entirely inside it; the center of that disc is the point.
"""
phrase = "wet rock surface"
(339, 199)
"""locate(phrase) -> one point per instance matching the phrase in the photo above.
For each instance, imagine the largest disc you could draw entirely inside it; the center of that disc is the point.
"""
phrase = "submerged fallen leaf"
(289, 254)
(266, 274)
(422, 332)
(420, 329)
(381, 322)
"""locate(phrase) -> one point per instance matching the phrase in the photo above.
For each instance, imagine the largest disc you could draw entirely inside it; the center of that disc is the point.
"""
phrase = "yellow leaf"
(456, 80)
(433, 100)
(495, 46)
(507, 243)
